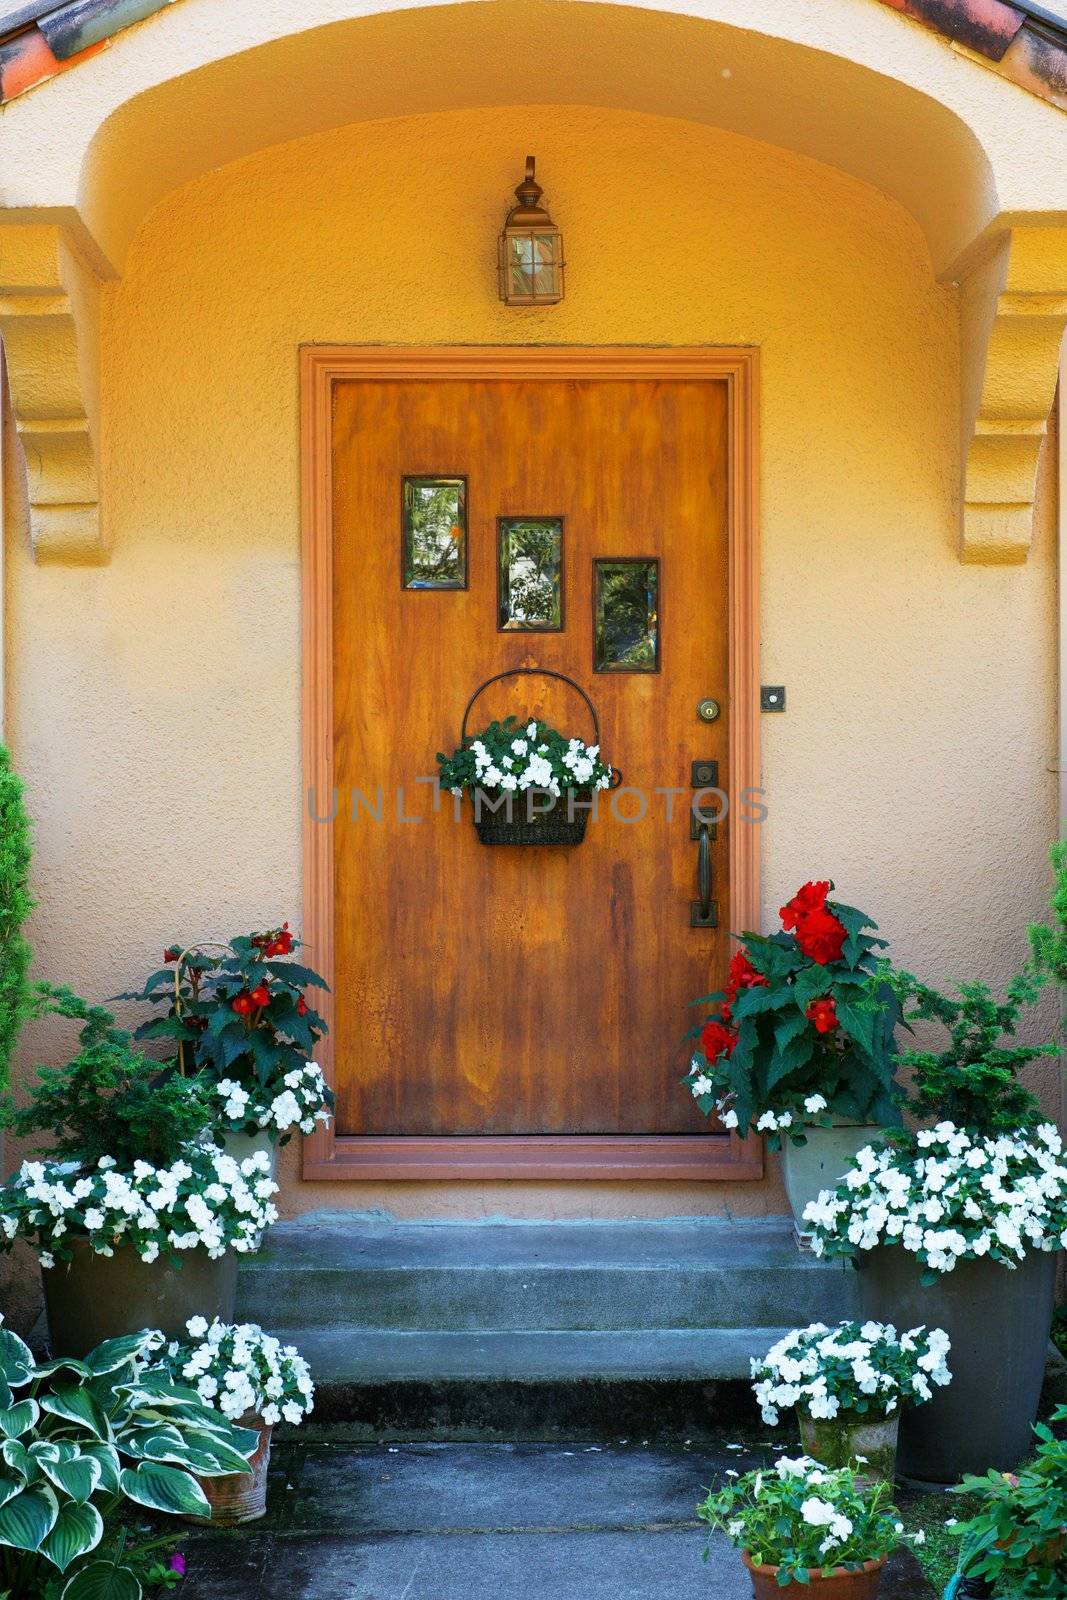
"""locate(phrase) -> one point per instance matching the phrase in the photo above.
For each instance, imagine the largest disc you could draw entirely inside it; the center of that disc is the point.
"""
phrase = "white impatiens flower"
(948, 1195)
(205, 1201)
(302, 1099)
(824, 1372)
(243, 1372)
(814, 1104)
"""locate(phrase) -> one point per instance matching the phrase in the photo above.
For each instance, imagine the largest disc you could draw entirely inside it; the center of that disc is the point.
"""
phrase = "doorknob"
(703, 913)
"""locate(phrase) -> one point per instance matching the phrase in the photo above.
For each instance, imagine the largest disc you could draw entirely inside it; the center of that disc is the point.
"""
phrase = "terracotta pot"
(95, 1297)
(240, 1496)
(998, 1319)
(834, 1585)
(808, 1169)
(837, 1441)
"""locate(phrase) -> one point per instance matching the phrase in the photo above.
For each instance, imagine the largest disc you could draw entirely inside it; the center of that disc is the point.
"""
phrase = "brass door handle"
(703, 913)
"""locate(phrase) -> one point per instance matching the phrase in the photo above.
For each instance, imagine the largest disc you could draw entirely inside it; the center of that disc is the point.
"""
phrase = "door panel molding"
(545, 1156)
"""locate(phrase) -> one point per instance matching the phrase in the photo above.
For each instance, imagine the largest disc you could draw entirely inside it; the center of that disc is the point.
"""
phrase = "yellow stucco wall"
(153, 702)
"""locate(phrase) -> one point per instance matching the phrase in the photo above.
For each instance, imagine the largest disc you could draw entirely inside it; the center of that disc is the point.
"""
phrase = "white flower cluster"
(768, 1121)
(948, 1195)
(529, 765)
(206, 1201)
(777, 1509)
(239, 1370)
(851, 1368)
(300, 1102)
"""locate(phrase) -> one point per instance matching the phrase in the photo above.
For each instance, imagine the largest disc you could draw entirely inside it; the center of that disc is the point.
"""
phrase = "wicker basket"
(527, 817)
(563, 824)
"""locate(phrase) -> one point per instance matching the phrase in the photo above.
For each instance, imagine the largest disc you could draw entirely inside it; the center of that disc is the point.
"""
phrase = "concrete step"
(333, 1272)
(545, 1356)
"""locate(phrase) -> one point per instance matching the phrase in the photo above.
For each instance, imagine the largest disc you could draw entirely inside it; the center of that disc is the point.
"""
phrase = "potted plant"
(87, 1443)
(958, 1225)
(1016, 1543)
(528, 784)
(847, 1385)
(136, 1219)
(806, 1531)
(241, 1021)
(255, 1381)
(800, 1043)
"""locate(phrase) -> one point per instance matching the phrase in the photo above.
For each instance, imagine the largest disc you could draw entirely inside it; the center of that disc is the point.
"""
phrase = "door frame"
(328, 1155)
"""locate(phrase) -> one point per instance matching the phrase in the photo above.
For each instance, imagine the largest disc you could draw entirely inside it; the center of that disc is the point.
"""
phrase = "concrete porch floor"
(485, 1522)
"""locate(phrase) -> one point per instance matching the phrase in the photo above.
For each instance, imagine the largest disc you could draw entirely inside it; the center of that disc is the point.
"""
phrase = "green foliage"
(109, 1099)
(86, 1442)
(1017, 1540)
(15, 907)
(802, 1518)
(1049, 944)
(973, 1081)
(240, 1016)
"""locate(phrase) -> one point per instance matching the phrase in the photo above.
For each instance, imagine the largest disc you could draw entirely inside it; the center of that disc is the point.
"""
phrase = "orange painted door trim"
(543, 1156)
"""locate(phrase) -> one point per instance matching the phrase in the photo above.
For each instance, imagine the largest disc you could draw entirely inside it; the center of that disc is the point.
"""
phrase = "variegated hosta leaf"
(78, 1529)
(78, 1405)
(108, 1459)
(10, 1486)
(102, 1580)
(78, 1476)
(19, 1419)
(6, 1397)
(47, 1369)
(115, 1353)
(133, 1441)
(46, 1449)
(28, 1518)
(215, 1460)
(16, 1359)
(164, 1489)
(19, 1459)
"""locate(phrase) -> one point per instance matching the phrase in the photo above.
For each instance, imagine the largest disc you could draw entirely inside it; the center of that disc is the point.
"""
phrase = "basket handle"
(525, 672)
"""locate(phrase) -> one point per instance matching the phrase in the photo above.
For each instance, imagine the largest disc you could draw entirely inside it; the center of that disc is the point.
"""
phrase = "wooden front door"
(525, 990)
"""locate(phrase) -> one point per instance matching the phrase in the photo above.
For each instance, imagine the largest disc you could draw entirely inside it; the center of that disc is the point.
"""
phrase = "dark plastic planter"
(95, 1297)
(998, 1320)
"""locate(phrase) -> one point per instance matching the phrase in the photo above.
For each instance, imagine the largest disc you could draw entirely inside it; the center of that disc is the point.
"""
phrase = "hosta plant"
(239, 1370)
(803, 1032)
(239, 1019)
(948, 1194)
(204, 1200)
(1017, 1541)
(804, 1520)
(862, 1368)
(509, 757)
(86, 1443)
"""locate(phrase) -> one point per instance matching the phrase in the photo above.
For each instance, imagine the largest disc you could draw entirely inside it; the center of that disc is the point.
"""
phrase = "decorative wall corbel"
(48, 322)
(1014, 312)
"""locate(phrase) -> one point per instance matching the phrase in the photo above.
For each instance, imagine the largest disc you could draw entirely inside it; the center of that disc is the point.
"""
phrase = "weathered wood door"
(524, 990)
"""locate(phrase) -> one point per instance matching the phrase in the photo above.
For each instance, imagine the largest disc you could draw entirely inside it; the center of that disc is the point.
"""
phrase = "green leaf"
(28, 1518)
(78, 1529)
(10, 1487)
(48, 1369)
(77, 1475)
(752, 1002)
(16, 1359)
(19, 1459)
(19, 1419)
(114, 1353)
(103, 1580)
(811, 984)
(164, 1489)
(110, 1465)
(79, 1406)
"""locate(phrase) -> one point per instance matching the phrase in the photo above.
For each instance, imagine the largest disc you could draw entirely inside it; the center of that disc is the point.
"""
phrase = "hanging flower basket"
(528, 783)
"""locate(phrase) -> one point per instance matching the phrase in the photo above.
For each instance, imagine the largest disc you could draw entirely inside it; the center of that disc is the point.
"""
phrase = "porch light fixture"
(530, 254)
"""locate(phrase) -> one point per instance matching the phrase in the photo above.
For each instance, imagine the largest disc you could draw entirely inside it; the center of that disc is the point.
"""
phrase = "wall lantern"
(530, 255)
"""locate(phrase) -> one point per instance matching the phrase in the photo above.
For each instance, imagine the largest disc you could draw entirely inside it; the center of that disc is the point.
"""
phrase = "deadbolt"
(708, 710)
